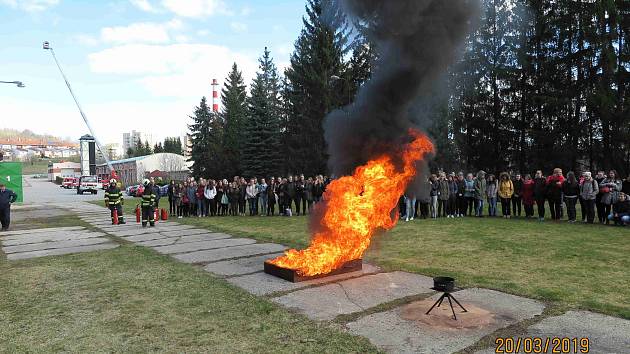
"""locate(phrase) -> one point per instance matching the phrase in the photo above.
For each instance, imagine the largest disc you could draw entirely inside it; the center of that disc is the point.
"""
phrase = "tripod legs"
(441, 299)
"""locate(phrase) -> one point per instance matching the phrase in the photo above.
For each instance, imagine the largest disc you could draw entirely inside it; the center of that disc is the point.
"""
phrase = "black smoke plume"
(416, 41)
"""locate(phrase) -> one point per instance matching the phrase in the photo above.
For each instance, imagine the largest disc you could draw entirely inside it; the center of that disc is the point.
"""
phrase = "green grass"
(133, 300)
(574, 265)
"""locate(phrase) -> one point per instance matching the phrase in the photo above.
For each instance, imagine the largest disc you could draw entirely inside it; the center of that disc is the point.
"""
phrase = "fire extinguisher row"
(160, 214)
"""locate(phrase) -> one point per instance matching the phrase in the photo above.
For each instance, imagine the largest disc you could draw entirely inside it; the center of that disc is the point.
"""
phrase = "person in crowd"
(7, 197)
(424, 198)
(290, 193)
(554, 193)
(192, 198)
(452, 196)
(318, 189)
(620, 214)
(517, 198)
(571, 191)
(201, 200)
(178, 200)
(469, 194)
(461, 199)
(210, 196)
(300, 185)
(410, 205)
(580, 200)
(308, 194)
(219, 197)
(148, 204)
(185, 200)
(435, 192)
(540, 193)
(234, 196)
(272, 196)
(527, 193)
(262, 196)
(442, 195)
(588, 192)
(625, 186)
(252, 196)
(480, 193)
(282, 196)
(172, 207)
(225, 199)
(492, 188)
(601, 209)
(610, 188)
(505, 191)
(156, 191)
(242, 200)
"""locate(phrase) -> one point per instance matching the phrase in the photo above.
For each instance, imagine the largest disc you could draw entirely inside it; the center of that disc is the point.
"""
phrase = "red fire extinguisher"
(157, 214)
(115, 216)
(164, 215)
(138, 213)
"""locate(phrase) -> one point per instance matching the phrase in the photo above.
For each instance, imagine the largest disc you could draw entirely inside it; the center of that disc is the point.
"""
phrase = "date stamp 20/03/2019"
(552, 345)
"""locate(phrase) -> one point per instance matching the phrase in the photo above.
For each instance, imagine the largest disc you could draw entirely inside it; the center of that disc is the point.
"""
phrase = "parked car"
(131, 190)
(87, 184)
(69, 183)
(164, 190)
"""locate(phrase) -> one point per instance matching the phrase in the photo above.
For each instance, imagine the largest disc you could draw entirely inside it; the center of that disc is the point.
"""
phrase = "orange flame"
(357, 206)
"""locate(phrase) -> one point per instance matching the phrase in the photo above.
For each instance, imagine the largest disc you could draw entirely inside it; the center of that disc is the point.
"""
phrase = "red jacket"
(528, 192)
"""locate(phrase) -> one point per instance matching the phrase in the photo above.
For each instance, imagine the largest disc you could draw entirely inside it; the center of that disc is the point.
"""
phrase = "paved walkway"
(385, 307)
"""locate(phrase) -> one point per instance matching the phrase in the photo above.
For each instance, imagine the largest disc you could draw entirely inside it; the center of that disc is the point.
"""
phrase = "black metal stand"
(449, 296)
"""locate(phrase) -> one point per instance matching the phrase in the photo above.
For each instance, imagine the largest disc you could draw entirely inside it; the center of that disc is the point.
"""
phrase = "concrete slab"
(61, 251)
(355, 295)
(265, 284)
(52, 245)
(38, 238)
(9, 234)
(605, 334)
(178, 233)
(407, 329)
(240, 266)
(229, 253)
(203, 245)
(146, 230)
(177, 240)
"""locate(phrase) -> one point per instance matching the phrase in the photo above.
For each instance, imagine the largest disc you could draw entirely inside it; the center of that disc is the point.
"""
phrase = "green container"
(11, 176)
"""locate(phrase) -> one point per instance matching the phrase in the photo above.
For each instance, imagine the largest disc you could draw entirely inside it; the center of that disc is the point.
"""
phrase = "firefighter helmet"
(146, 182)
(112, 181)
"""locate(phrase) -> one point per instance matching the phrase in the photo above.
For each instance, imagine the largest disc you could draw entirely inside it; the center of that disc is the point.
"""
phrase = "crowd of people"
(257, 197)
(603, 197)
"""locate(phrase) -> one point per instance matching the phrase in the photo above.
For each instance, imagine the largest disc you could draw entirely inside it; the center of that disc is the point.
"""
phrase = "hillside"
(6, 133)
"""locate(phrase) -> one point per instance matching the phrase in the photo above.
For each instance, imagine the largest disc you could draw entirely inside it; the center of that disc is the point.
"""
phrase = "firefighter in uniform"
(148, 204)
(114, 201)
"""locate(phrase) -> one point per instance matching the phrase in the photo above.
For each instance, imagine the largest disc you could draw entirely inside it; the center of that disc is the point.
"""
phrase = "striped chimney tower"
(215, 96)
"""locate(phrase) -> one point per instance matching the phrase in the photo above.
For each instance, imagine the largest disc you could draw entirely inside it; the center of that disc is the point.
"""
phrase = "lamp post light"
(17, 83)
(46, 46)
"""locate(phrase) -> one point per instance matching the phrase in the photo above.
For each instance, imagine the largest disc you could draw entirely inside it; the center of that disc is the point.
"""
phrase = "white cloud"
(143, 5)
(86, 40)
(30, 5)
(203, 33)
(182, 38)
(141, 32)
(175, 70)
(238, 27)
(196, 8)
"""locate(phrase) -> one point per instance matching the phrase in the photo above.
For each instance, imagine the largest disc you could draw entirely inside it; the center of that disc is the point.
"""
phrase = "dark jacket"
(290, 189)
(461, 187)
(540, 188)
(622, 207)
(7, 198)
(518, 187)
(571, 190)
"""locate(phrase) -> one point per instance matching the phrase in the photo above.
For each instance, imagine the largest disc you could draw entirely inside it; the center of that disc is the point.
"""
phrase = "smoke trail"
(417, 40)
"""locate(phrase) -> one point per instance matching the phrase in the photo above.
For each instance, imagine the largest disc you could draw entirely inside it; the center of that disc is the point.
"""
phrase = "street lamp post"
(46, 46)
(17, 83)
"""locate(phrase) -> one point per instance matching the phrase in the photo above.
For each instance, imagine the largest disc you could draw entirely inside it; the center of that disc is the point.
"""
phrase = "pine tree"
(260, 155)
(233, 116)
(200, 134)
(310, 92)
(157, 148)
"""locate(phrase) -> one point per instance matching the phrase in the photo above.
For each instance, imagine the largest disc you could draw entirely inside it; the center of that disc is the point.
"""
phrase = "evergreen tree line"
(540, 84)
(170, 145)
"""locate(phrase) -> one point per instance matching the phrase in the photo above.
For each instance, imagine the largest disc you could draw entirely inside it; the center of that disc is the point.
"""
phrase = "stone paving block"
(203, 245)
(61, 251)
(265, 284)
(144, 237)
(147, 230)
(240, 266)
(38, 238)
(605, 334)
(177, 240)
(354, 295)
(184, 232)
(393, 331)
(9, 234)
(51, 245)
(230, 252)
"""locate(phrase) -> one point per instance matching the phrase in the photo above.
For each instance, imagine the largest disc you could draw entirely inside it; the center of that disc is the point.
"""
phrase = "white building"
(131, 139)
(64, 169)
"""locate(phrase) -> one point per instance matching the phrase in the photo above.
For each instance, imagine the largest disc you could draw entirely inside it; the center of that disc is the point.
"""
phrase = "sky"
(133, 64)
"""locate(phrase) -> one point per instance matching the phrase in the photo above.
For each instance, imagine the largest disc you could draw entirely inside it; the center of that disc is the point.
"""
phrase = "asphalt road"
(41, 191)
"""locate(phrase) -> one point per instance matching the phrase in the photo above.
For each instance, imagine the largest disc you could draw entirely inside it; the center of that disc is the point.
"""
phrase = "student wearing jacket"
(469, 194)
(517, 196)
(540, 193)
(252, 196)
(7, 197)
(201, 198)
(442, 194)
(554, 193)
(480, 193)
(491, 192)
(461, 199)
(272, 196)
(571, 192)
(451, 209)
(172, 207)
(506, 190)
(621, 210)
(435, 192)
(588, 192)
(601, 209)
(528, 196)
(609, 188)
(209, 195)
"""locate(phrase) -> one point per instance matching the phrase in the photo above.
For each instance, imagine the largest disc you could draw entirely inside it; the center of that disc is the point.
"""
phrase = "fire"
(356, 207)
